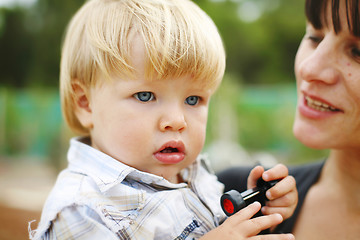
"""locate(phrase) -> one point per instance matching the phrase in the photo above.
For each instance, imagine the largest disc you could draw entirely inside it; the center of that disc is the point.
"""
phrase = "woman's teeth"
(320, 106)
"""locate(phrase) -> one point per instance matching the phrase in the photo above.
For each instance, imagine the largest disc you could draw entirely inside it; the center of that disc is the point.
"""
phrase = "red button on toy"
(228, 206)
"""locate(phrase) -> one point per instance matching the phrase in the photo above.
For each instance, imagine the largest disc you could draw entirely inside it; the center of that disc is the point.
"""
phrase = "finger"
(254, 175)
(256, 225)
(279, 171)
(285, 212)
(247, 212)
(287, 236)
(288, 199)
(283, 187)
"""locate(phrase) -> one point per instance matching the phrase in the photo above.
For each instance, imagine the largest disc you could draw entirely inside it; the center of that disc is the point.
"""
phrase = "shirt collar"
(107, 171)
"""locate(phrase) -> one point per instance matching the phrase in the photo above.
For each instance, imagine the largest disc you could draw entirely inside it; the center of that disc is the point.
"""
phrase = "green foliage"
(260, 52)
(16, 48)
(30, 42)
(259, 118)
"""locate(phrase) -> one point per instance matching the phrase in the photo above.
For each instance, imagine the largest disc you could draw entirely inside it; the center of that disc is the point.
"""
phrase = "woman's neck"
(345, 164)
(341, 173)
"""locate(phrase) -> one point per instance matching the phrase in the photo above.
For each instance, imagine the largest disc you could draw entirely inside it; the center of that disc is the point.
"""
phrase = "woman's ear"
(82, 104)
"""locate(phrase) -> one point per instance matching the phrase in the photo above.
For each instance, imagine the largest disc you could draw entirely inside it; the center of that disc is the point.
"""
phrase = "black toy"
(232, 201)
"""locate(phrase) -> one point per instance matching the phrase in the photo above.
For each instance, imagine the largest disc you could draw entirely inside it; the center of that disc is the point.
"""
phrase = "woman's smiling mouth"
(319, 106)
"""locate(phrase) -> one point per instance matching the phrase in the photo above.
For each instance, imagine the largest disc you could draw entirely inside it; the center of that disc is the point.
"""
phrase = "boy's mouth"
(171, 152)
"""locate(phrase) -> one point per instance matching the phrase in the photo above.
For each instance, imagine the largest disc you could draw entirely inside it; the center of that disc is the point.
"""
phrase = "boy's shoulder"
(75, 193)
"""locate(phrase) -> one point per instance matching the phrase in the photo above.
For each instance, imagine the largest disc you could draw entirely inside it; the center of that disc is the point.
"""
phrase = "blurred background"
(250, 119)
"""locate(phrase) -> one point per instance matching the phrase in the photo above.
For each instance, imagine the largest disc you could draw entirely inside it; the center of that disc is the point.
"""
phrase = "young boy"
(136, 81)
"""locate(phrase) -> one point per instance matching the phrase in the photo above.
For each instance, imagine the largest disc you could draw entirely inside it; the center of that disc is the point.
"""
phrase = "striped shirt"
(98, 197)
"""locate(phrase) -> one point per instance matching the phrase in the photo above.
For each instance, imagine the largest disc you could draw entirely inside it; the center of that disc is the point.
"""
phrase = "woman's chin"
(309, 137)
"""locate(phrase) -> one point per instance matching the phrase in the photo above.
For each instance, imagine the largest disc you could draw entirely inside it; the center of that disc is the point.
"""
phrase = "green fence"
(30, 122)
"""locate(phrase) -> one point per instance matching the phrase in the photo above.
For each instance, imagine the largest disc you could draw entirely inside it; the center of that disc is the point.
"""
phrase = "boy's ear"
(82, 105)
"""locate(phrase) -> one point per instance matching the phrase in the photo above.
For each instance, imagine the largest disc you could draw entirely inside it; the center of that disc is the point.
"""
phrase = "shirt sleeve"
(78, 222)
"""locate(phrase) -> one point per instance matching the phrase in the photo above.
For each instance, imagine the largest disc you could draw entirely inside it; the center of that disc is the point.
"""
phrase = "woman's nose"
(319, 64)
(173, 120)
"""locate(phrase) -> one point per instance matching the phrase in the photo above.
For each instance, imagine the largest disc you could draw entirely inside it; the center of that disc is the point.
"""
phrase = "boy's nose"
(173, 121)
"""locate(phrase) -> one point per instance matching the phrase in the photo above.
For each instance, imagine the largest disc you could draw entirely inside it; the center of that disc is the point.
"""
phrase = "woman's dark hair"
(315, 11)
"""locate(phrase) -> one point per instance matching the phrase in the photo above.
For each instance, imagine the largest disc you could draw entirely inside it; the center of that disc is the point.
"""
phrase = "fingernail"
(263, 210)
(291, 236)
(265, 176)
(268, 195)
(279, 215)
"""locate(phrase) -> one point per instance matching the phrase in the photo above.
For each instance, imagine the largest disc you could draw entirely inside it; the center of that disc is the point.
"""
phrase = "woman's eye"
(144, 96)
(355, 52)
(315, 39)
(192, 100)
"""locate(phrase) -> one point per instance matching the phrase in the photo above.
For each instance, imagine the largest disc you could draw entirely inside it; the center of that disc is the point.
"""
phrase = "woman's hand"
(283, 196)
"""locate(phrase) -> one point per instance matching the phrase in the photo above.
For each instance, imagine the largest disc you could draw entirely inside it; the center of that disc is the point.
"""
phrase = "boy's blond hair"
(179, 39)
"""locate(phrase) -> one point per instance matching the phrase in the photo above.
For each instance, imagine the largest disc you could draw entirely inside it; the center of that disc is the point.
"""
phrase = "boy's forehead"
(187, 80)
(144, 67)
(137, 54)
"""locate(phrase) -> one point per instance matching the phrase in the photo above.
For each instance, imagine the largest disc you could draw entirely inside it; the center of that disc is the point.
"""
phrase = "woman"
(327, 69)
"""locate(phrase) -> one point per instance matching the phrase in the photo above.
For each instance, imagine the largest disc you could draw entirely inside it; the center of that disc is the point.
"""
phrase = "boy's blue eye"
(192, 100)
(144, 96)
